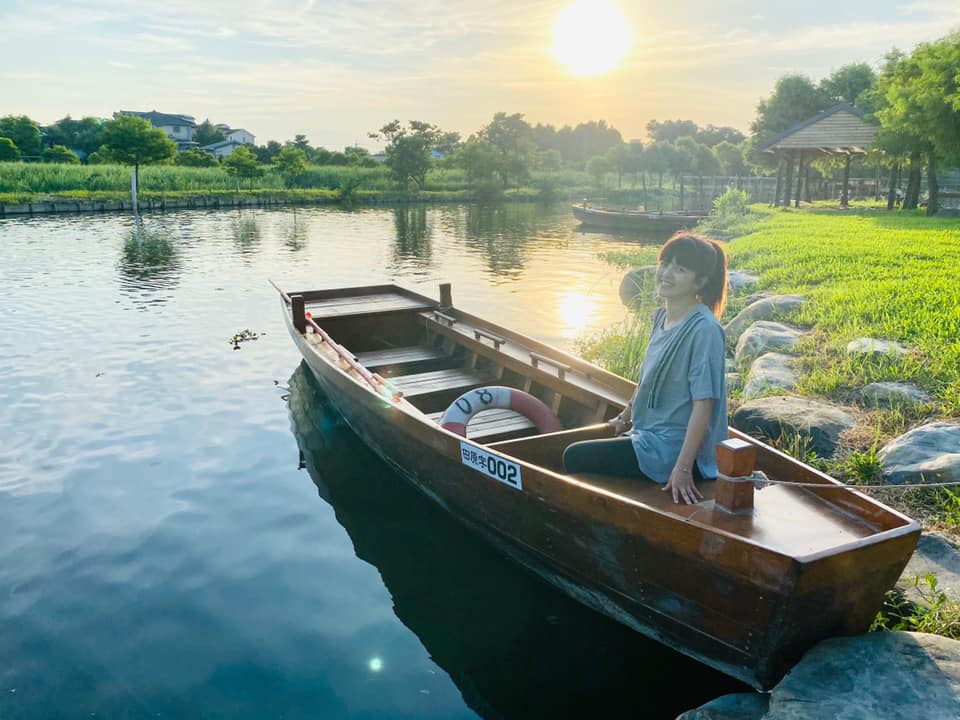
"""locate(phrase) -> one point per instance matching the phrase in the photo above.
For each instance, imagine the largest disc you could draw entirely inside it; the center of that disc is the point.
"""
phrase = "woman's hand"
(619, 425)
(681, 484)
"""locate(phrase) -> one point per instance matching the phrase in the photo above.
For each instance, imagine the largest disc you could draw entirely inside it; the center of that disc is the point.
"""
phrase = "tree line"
(913, 99)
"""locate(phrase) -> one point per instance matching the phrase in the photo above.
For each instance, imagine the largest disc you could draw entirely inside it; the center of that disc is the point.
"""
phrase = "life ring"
(457, 416)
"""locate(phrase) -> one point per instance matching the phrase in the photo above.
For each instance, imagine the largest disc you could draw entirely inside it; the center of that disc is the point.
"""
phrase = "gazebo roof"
(837, 130)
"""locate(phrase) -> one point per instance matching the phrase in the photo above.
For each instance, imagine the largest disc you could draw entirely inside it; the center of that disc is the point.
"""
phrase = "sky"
(335, 71)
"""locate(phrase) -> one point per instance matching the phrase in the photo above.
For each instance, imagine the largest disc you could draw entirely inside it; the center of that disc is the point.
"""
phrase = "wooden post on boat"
(446, 296)
(735, 458)
(298, 309)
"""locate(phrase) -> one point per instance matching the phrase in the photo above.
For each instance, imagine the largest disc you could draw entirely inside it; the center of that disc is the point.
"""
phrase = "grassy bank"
(33, 182)
(866, 273)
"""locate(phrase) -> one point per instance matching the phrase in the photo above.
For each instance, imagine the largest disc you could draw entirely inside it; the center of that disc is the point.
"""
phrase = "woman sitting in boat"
(670, 429)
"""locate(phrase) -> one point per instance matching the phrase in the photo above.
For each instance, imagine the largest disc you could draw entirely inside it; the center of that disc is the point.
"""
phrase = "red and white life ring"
(457, 416)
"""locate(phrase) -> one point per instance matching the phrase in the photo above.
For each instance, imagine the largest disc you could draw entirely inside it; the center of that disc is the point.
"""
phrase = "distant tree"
(132, 140)
(448, 142)
(24, 133)
(207, 134)
(795, 98)
(512, 138)
(687, 153)
(291, 162)
(636, 161)
(195, 157)
(549, 160)
(242, 164)
(659, 159)
(8, 150)
(712, 135)
(848, 83)
(84, 135)
(671, 130)
(587, 140)
(359, 156)
(598, 167)
(730, 157)
(266, 153)
(618, 155)
(301, 143)
(408, 150)
(481, 162)
(922, 95)
(60, 154)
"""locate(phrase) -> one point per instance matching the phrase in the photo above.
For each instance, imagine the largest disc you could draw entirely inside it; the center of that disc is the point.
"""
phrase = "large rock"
(739, 706)
(816, 423)
(638, 281)
(878, 676)
(876, 348)
(892, 394)
(770, 372)
(929, 453)
(764, 309)
(762, 337)
(740, 278)
(935, 555)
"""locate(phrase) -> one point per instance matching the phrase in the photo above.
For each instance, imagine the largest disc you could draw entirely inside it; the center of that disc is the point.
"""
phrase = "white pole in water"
(133, 191)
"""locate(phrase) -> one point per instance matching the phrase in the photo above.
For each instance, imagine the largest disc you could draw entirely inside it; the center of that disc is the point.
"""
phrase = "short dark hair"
(707, 260)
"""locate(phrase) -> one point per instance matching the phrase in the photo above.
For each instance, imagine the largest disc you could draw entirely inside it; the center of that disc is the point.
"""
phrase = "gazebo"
(839, 130)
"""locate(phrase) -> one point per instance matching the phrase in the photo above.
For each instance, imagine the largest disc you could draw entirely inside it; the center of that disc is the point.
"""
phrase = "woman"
(678, 414)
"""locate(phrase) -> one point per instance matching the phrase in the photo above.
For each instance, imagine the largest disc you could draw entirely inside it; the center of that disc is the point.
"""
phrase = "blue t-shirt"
(682, 364)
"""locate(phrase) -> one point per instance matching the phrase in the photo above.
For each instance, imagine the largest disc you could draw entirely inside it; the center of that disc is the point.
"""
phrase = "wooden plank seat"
(495, 424)
(436, 389)
(399, 360)
(362, 304)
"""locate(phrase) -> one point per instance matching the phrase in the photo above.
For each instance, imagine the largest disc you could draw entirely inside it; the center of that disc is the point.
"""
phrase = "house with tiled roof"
(178, 128)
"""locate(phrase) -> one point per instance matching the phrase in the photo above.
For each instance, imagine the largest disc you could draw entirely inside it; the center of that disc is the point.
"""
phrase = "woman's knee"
(574, 457)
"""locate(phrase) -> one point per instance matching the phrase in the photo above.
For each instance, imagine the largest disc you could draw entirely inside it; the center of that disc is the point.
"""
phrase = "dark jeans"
(611, 456)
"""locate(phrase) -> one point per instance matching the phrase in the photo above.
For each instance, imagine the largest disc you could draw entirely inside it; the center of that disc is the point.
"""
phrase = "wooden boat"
(635, 220)
(745, 592)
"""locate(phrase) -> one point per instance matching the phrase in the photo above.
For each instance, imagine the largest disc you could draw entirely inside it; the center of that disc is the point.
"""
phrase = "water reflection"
(296, 236)
(515, 647)
(149, 261)
(413, 234)
(246, 233)
(501, 233)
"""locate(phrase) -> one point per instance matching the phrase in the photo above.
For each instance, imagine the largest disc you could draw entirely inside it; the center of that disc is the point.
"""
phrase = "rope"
(758, 478)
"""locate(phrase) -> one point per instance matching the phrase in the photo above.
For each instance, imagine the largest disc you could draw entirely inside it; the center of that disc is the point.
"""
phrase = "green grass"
(36, 182)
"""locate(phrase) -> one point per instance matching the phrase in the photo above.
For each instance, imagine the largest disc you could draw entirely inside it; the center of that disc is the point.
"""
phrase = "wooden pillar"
(298, 309)
(801, 171)
(776, 192)
(446, 296)
(735, 458)
(788, 180)
(681, 193)
(845, 191)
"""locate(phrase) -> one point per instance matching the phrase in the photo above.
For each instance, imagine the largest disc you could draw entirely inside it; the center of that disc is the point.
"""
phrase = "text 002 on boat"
(746, 592)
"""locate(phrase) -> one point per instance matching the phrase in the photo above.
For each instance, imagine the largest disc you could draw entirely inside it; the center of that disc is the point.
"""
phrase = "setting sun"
(591, 37)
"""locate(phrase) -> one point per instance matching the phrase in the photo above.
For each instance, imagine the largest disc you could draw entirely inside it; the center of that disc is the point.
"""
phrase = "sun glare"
(591, 37)
(577, 311)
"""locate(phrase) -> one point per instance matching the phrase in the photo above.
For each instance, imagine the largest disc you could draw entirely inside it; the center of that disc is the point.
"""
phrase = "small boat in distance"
(467, 411)
(635, 220)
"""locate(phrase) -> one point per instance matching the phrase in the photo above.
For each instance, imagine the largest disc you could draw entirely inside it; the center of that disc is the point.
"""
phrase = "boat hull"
(745, 610)
(627, 221)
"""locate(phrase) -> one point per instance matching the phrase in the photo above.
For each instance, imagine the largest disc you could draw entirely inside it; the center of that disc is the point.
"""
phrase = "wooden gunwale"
(675, 578)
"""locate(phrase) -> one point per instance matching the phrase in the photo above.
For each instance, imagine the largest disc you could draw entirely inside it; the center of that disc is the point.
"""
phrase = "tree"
(207, 134)
(360, 156)
(711, 135)
(195, 157)
(8, 150)
(408, 150)
(671, 130)
(598, 167)
(82, 136)
(242, 163)
(512, 138)
(24, 133)
(618, 155)
(922, 95)
(795, 98)
(266, 153)
(481, 164)
(291, 162)
(848, 83)
(730, 157)
(60, 154)
(132, 140)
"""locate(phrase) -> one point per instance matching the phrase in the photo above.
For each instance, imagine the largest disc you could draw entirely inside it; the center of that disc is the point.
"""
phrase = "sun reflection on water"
(576, 311)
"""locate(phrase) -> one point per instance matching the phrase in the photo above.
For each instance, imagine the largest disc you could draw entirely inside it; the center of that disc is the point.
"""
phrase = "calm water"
(189, 531)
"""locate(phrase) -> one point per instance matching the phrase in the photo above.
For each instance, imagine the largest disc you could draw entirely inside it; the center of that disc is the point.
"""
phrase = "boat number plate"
(493, 465)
